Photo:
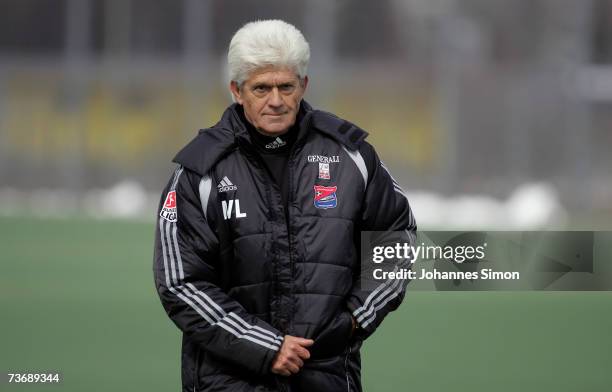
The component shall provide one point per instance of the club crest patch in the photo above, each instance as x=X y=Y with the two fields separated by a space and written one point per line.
x=324 y=171
x=168 y=211
x=325 y=196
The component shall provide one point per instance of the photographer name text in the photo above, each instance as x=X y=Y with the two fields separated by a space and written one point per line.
x=423 y=274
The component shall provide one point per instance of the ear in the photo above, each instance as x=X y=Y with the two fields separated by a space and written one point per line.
x=305 y=83
x=235 y=92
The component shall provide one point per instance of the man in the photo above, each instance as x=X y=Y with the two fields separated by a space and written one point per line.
x=257 y=256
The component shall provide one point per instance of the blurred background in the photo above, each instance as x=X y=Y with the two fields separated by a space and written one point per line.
x=481 y=108
x=492 y=114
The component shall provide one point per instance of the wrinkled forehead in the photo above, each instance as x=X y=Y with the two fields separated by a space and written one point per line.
x=273 y=75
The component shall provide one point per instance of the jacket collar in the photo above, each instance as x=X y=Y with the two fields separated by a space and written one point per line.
x=212 y=144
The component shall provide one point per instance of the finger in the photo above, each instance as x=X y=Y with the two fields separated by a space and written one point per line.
x=304 y=342
x=279 y=370
x=303 y=353
x=292 y=368
x=297 y=361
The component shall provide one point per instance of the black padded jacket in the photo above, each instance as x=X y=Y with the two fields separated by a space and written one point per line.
x=235 y=271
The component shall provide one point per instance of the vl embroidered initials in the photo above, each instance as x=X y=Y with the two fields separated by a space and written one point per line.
x=228 y=208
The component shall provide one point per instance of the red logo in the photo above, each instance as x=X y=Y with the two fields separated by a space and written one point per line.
x=170 y=200
x=168 y=211
x=325 y=196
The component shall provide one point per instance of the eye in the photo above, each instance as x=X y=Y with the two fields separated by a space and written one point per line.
x=260 y=89
x=287 y=87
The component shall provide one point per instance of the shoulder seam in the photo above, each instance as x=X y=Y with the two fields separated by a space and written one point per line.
x=345 y=132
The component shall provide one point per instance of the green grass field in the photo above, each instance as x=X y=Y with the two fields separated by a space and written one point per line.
x=77 y=297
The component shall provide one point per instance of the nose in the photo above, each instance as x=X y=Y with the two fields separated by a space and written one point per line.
x=275 y=99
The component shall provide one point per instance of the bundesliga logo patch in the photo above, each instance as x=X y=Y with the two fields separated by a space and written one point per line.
x=325 y=197
x=168 y=211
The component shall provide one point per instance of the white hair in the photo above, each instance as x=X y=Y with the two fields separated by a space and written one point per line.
x=267 y=43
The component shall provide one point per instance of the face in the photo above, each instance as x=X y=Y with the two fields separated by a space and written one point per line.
x=271 y=99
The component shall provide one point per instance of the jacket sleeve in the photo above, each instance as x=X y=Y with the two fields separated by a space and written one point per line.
x=385 y=209
x=187 y=281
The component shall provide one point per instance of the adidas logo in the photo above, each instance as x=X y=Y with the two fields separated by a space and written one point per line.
x=226 y=185
x=278 y=142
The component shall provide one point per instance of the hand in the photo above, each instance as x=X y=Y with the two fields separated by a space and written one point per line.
x=290 y=357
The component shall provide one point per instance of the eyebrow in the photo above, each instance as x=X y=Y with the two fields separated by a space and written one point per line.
x=284 y=83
